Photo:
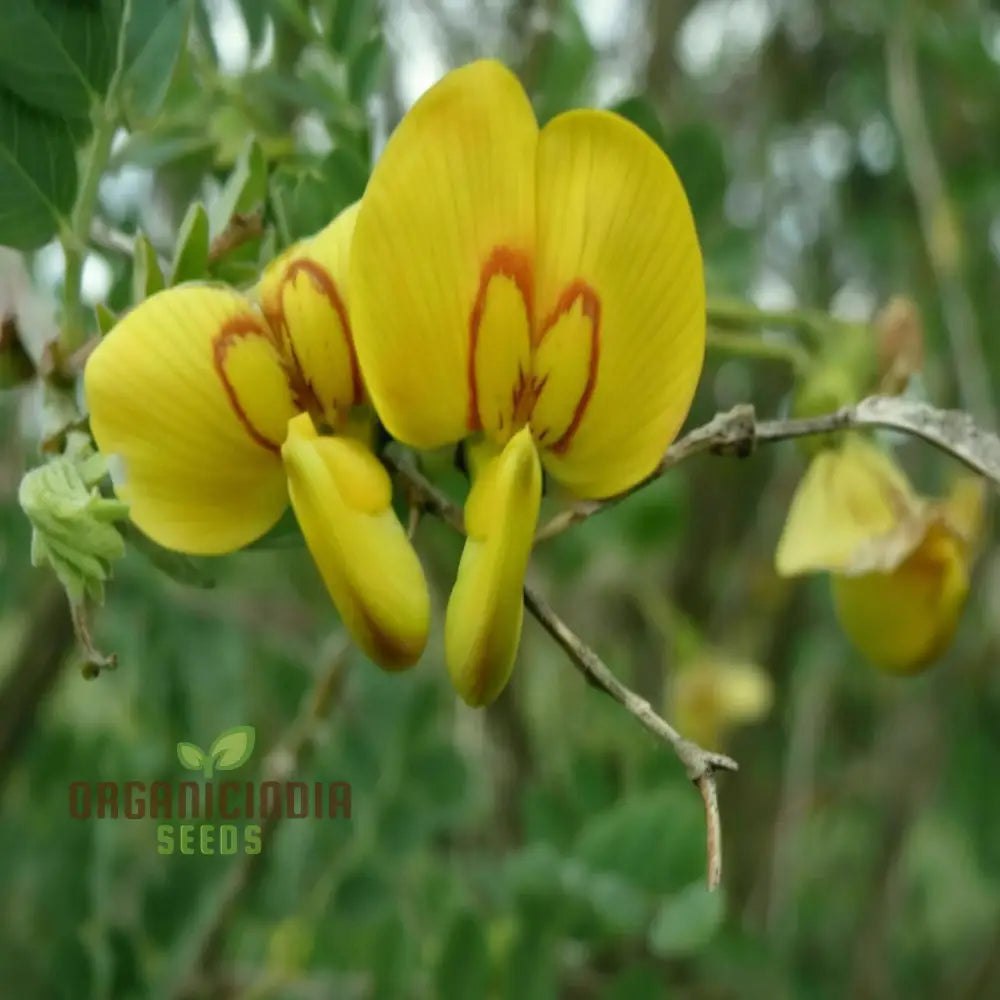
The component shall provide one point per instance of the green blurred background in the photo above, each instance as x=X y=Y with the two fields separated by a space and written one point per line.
x=835 y=154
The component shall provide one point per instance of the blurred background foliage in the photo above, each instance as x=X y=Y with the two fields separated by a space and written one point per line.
x=545 y=847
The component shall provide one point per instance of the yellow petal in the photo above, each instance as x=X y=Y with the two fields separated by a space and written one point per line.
x=441 y=255
x=853 y=511
x=620 y=289
x=188 y=392
x=964 y=509
x=483 y=622
x=342 y=499
x=304 y=296
x=903 y=620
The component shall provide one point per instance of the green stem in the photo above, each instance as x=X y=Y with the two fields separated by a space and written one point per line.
x=74 y=239
x=733 y=314
x=75 y=236
x=748 y=346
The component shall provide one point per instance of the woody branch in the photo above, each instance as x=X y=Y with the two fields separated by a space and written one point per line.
x=736 y=432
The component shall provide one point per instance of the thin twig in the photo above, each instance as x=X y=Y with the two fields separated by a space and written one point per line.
x=738 y=432
x=713 y=826
x=94 y=660
x=701 y=765
x=697 y=762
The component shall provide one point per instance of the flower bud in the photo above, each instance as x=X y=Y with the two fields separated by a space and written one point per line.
x=900 y=344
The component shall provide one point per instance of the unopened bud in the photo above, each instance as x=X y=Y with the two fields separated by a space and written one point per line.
x=900 y=339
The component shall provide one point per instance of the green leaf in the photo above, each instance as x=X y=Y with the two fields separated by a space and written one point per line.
x=232 y=748
x=363 y=895
x=463 y=971
x=165 y=145
x=147 y=277
x=300 y=201
x=203 y=30
x=352 y=22
x=37 y=174
x=191 y=756
x=305 y=198
x=245 y=190
x=191 y=253
x=255 y=16
x=534 y=872
x=401 y=826
x=392 y=975
x=698 y=156
x=566 y=60
x=687 y=922
x=438 y=774
x=106 y=319
x=366 y=69
x=345 y=175
x=620 y=905
x=637 y=982
x=655 y=841
x=58 y=55
x=154 y=67
x=531 y=968
x=655 y=517
x=640 y=111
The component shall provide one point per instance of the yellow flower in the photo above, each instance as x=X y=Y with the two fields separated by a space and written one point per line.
x=218 y=408
x=900 y=562
x=540 y=291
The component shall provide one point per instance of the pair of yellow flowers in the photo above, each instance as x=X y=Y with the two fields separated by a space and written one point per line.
x=537 y=293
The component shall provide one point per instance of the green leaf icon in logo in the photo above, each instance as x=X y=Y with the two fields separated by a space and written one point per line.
x=192 y=756
x=230 y=750
x=232 y=747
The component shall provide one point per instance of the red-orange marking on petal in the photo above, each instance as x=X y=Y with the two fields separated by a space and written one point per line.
x=526 y=390
x=302 y=387
x=592 y=310
x=326 y=286
x=232 y=331
x=511 y=264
